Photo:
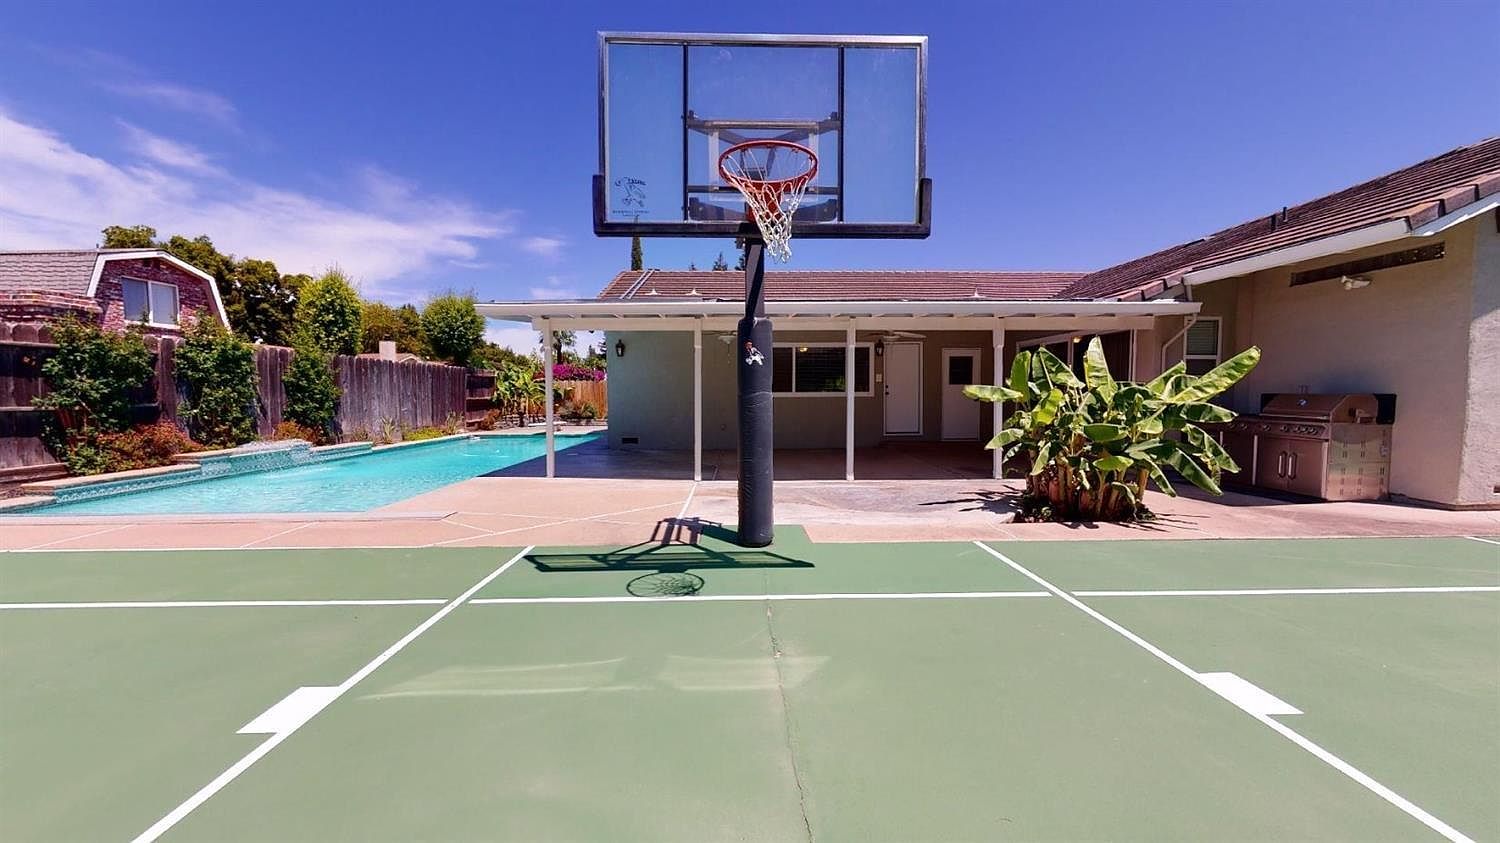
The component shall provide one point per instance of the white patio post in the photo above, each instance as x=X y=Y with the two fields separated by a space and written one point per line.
x=547 y=399
x=849 y=402
x=997 y=410
x=697 y=400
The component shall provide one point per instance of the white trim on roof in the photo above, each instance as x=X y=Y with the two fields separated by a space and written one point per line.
x=1337 y=244
x=158 y=254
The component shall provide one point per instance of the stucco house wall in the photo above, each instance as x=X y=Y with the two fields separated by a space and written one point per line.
x=1408 y=333
x=651 y=393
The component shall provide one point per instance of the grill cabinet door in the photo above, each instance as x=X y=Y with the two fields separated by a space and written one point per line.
x=1271 y=462
x=1306 y=466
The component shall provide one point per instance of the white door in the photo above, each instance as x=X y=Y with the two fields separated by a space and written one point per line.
x=960 y=414
x=903 y=387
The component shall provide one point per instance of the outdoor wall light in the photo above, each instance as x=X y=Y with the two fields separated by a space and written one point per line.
x=880 y=348
x=619 y=348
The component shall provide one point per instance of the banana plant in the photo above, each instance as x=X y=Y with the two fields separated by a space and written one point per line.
x=1092 y=445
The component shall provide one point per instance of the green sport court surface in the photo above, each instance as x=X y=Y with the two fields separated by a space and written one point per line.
x=945 y=691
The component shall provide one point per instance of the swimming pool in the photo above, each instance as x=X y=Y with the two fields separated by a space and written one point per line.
x=351 y=484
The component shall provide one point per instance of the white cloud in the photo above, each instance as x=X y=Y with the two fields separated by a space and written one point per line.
x=514 y=337
x=555 y=289
x=547 y=247
x=167 y=152
x=194 y=101
x=55 y=195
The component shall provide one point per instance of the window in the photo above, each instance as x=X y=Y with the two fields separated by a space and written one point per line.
x=1201 y=345
x=818 y=369
x=153 y=302
x=961 y=370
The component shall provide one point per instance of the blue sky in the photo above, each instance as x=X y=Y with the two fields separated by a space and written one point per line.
x=450 y=145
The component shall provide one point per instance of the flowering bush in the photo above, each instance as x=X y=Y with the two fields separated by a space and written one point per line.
x=146 y=446
x=292 y=430
x=571 y=372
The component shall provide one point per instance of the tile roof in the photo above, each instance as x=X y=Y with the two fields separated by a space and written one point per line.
x=63 y=271
x=863 y=285
x=1418 y=194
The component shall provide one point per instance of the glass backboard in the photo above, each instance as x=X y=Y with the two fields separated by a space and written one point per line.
x=670 y=104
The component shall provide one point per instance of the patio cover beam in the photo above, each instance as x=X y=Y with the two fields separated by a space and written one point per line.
x=863 y=323
x=849 y=402
x=547 y=399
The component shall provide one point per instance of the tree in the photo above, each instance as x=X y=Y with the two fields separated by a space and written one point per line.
x=312 y=396
x=1093 y=444
x=217 y=372
x=129 y=237
x=453 y=327
x=739 y=264
x=497 y=357
x=637 y=255
x=720 y=265
x=328 y=314
x=260 y=301
x=200 y=252
x=401 y=325
x=692 y=267
x=562 y=342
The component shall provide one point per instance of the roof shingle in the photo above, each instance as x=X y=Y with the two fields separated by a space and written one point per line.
x=55 y=271
x=1419 y=194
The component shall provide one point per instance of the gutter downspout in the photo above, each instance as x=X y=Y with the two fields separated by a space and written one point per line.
x=1186 y=324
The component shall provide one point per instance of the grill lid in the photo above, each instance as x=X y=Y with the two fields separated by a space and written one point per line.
x=1336 y=407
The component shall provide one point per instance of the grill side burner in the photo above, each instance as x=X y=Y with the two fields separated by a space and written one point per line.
x=1323 y=446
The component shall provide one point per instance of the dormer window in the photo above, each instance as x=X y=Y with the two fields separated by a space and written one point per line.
x=152 y=302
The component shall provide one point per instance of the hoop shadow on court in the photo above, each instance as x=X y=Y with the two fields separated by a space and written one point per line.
x=668 y=558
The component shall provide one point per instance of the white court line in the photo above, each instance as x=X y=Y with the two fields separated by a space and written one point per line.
x=1257 y=592
x=755 y=598
x=176 y=815
x=304 y=525
x=547 y=524
x=1285 y=731
x=222 y=604
x=682 y=513
x=1478 y=539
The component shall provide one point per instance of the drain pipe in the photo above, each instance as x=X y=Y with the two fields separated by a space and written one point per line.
x=1186 y=324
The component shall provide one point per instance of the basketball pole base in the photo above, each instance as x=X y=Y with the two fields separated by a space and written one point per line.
x=757 y=521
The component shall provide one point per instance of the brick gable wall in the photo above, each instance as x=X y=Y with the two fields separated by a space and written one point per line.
x=193 y=294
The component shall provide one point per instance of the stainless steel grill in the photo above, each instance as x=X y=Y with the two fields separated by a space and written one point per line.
x=1323 y=446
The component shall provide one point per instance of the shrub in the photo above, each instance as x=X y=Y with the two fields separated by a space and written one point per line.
x=330 y=314
x=292 y=430
x=312 y=397
x=453 y=328
x=417 y=434
x=1093 y=444
x=217 y=372
x=146 y=446
x=92 y=377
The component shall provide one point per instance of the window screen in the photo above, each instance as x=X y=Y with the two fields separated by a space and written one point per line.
x=137 y=307
x=817 y=370
x=960 y=370
x=1201 y=346
x=163 y=304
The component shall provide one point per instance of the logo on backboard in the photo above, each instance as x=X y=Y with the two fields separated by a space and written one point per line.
x=630 y=197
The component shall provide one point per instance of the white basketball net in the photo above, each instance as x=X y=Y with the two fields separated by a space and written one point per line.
x=772 y=175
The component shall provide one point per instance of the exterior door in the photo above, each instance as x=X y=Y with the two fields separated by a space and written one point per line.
x=960 y=414
x=903 y=388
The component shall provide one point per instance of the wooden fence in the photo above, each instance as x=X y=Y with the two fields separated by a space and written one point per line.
x=376 y=393
x=592 y=392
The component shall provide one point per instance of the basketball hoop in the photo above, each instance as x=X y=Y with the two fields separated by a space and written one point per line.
x=772 y=175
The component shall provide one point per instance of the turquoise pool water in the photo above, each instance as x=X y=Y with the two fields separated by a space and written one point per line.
x=352 y=484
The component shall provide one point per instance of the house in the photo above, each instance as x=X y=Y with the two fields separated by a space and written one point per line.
x=113 y=287
x=1389 y=287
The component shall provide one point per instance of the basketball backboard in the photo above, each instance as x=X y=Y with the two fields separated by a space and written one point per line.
x=671 y=103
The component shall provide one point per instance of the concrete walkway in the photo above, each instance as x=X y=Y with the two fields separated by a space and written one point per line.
x=514 y=511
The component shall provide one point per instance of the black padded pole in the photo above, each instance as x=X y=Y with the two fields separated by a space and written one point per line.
x=756 y=519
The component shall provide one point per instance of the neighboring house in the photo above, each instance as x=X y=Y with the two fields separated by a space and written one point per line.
x=113 y=287
x=1389 y=287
